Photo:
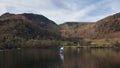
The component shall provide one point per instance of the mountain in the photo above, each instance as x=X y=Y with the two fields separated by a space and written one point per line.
x=108 y=27
x=40 y=20
x=77 y=29
x=19 y=29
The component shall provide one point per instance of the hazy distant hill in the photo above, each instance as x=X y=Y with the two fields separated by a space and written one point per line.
x=77 y=29
x=108 y=27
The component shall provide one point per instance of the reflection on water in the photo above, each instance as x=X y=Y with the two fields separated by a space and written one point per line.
x=71 y=58
x=29 y=58
x=62 y=57
x=92 y=58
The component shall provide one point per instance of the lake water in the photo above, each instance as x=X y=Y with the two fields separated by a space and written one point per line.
x=50 y=58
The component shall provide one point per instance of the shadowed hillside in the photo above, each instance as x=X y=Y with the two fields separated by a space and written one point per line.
x=19 y=30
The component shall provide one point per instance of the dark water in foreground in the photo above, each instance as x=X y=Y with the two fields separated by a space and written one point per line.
x=50 y=58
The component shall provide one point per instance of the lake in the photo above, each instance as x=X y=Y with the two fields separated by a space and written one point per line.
x=50 y=58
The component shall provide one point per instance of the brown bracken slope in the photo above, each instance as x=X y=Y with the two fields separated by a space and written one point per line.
x=77 y=29
x=108 y=27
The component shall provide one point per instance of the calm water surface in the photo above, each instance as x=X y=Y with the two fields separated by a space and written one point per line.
x=50 y=58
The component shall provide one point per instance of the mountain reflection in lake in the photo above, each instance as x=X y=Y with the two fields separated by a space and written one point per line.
x=71 y=58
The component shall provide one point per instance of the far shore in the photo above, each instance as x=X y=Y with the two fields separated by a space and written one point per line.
x=93 y=46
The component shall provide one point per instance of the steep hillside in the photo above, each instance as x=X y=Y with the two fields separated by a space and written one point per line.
x=19 y=29
x=77 y=29
x=108 y=27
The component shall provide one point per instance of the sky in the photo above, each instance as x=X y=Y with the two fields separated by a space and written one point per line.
x=62 y=11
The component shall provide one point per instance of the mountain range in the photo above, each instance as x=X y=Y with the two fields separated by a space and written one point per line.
x=29 y=30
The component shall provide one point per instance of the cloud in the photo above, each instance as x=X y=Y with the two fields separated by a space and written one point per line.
x=63 y=10
x=2 y=8
x=115 y=6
